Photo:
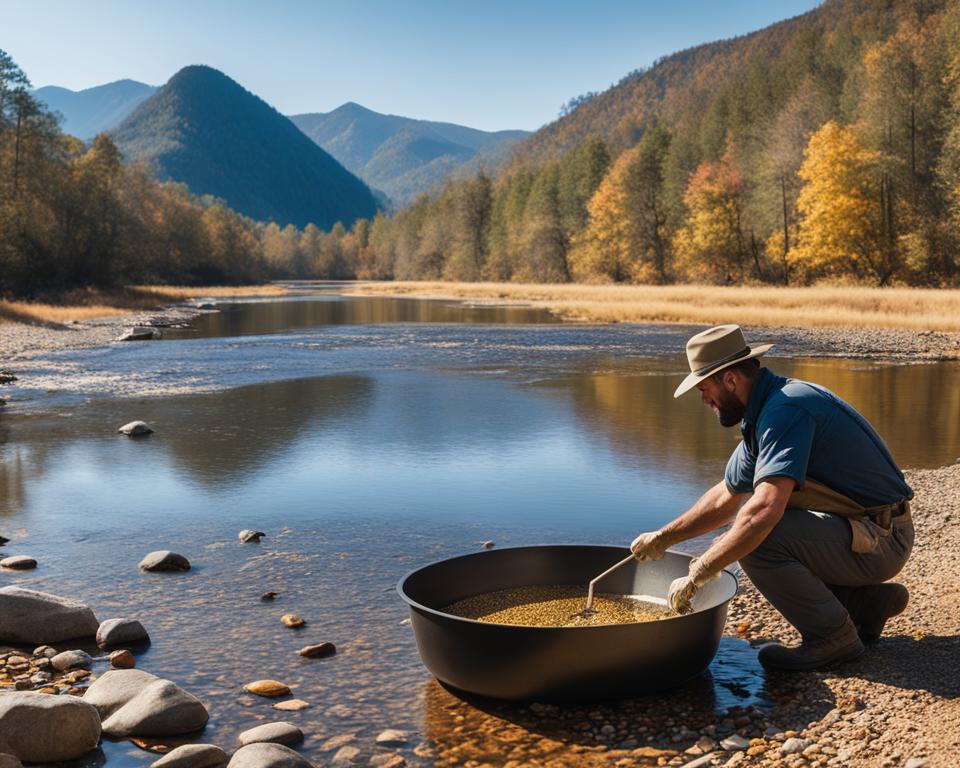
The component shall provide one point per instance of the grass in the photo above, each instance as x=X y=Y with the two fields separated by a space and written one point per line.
x=824 y=306
x=88 y=303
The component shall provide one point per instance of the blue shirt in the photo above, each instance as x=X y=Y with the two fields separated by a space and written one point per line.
x=795 y=429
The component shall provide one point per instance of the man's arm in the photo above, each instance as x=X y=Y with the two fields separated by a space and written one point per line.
x=710 y=511
x=753 y=523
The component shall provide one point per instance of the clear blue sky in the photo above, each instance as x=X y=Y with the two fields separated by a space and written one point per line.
x=491 y=64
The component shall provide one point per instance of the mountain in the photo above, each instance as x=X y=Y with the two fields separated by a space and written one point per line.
x=94 y=110
x=205 y=130
x=400 y=155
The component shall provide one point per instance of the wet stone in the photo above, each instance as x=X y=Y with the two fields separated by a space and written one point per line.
x=18 y=563
x=318 y=651
x=292 y=620
x=268 y=688
x=392 y=737
x=164 y=560
x=122 y=660
x=293 y=705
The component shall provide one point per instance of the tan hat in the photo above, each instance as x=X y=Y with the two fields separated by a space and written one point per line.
x=715 y=349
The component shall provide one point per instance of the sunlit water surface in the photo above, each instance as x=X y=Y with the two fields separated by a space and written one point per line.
x=368 y=437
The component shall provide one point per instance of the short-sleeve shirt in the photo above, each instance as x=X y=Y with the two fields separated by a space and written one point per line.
x=792 y=428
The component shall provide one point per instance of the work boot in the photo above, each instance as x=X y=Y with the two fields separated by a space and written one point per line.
x=844 y=645
x=871 y=606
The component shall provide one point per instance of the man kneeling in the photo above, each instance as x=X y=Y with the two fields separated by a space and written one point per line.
x=821 y=512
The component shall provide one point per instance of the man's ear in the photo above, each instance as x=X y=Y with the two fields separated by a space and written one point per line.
x=730 y=380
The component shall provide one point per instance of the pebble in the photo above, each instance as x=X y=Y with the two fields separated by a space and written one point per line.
x=793 y=745
x=345 y=756
x=388 y=760
x=318 y=651
x=392 y=737
x=916 y=762
x=268 y=688
x=292 y=620
x=45 y=650
x=293 y=705
x=18 y=563
x=248 y=536
x=335 y=742
x=122 y=659
x=734 y=742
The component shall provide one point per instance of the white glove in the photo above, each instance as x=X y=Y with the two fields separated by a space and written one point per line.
x=681 y=592
x=650 y=545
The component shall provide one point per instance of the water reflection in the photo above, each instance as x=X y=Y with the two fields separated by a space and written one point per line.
x=272 y=316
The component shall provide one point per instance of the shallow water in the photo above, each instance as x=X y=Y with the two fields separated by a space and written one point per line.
x=365 y=444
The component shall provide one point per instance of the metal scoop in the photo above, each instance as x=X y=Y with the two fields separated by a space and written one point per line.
x=588 y=610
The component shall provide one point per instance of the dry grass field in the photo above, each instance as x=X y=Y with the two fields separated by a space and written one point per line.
x=821 y=306
x=85 y=304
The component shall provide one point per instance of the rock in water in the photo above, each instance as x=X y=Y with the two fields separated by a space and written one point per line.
x=18 y=563
x=345 y=756
x=115 y=632
x=135 y=429
x=132 y=702
x=71 y=660
x=266 y=596
x=292 y=620
x=267 y=756
x=392 y=737
x=247 y=536
x=122 y=660
x=293 y=705
x=192 y=756
x=269 y=688
x=5 y=540
x=164 y=560
x=38 y=728
x=30 y=617
x=273 y=733
x=318 y=651
x=140 y=333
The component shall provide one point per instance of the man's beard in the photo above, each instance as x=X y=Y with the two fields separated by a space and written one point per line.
x=730 y=410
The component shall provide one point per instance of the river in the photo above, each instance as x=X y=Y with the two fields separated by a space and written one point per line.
x=367 y=437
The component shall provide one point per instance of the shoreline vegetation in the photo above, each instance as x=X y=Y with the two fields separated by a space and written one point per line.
x=766 y=306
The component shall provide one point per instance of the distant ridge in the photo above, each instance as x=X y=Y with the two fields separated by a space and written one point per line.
x=205 y=130
x=400 y=155
x=94 y=110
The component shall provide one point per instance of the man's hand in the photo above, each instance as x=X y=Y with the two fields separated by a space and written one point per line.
x=681 y=592
x=650 y=545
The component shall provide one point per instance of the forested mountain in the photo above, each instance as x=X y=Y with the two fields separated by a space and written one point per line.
x=823 y=147
x=206 y=131
x=399 y=155
x=94 y=110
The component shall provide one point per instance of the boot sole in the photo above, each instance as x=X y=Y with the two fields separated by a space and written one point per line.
x=852 y=654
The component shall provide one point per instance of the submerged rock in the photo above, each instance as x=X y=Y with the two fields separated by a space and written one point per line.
x=392 y=737
x=272 y=733
x=114 y=632
x=267 y=596
x=292 y=620
x=28 y=617
x=18 y=563
x=247 y=536
x=267 y=756
x=71 y=660
x=135 y=429
x=164 y=560
x=38 y=728
x=192 y=756
x=345 y=756
x=318 y=651
x=269 y=688
x=293 y=705
x=135 y=703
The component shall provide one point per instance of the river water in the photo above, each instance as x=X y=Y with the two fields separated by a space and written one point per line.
x=368 y=437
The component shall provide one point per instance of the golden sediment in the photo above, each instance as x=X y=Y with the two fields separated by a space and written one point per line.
x=555 y=606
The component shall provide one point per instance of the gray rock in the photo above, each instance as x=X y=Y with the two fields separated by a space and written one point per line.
x=267 y=756
x=116 y=632
x=345 y=756
x=18 y=563
x=794 y=745
x=140 y=333
x=192 y=756
x=31 y=617
x=734 y=743
x=132 y=702
x=71 y=660
x=274 y=733
x=135 y=429
x=164 y=560
x=39 y=728
x=393 y=737
x=318 y=650
x=247 y=536
x=46 y=651
x=699 y=762
x=9 y=761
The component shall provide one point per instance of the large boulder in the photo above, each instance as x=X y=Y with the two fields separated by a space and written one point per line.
x=267 y=756
x=164 y=560
x=132 y=702
x=29 y=617
x=116 y=632
x=192 y=756
x=39 y=728
x=274 y=733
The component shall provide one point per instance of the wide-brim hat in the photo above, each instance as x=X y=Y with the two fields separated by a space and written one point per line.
x=715 y=349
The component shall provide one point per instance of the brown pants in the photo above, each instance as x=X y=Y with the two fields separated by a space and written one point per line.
x=809 y=552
